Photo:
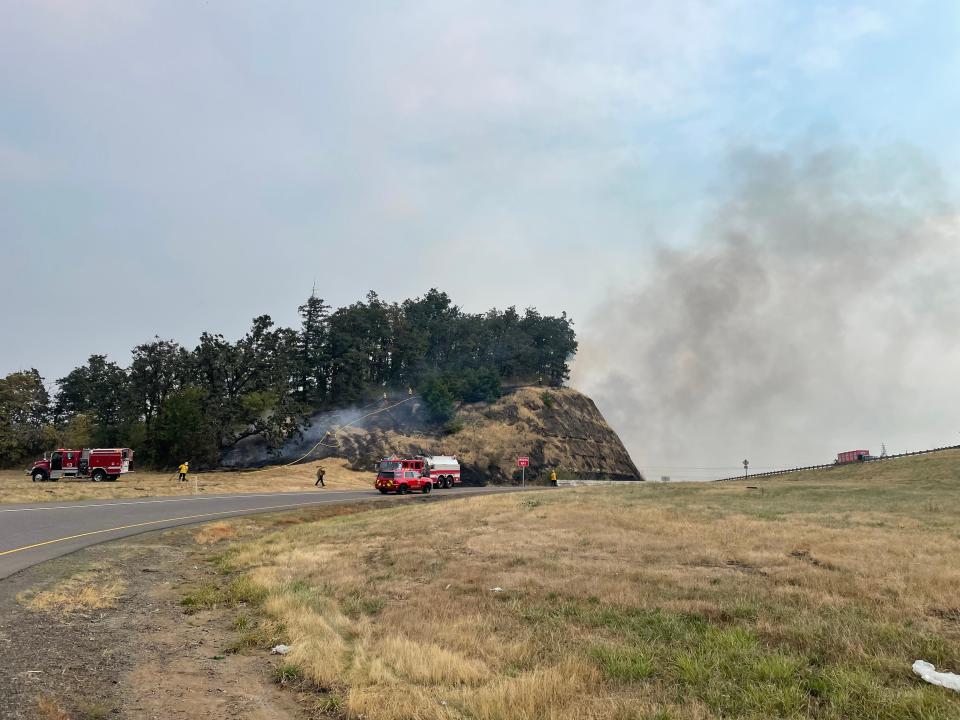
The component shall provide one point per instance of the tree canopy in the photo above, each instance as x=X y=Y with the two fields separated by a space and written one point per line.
x=172 y=403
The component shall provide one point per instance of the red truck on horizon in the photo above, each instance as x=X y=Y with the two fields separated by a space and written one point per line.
x=421 y=472
x=850 y=456
x=98 y=464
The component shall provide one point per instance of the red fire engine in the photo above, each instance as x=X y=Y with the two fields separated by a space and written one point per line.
x=99 y=464
x=423 y=473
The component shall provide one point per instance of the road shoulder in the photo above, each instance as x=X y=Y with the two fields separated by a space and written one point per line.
x=144 y=654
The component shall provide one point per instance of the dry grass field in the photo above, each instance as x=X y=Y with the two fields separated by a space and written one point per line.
x=15 y=487
x=808 y=598
x=89 y=589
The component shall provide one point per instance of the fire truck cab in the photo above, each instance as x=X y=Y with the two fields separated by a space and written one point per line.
x=423 y=473
x=98 y=464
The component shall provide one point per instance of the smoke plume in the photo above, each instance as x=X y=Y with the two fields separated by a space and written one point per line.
x=318 y=437
x=818 y=311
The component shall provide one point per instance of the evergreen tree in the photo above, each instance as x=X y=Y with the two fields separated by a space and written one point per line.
x=313 y=349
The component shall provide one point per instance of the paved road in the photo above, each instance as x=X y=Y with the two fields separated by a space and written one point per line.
x=30 y=534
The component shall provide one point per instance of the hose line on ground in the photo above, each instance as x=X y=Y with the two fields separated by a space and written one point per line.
x=344 y=427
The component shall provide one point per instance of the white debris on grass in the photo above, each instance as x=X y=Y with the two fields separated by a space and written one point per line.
x=280 y=649
x=929 y=673
x=496 y=589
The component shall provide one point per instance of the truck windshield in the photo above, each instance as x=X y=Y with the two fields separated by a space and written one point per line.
x=389 y=466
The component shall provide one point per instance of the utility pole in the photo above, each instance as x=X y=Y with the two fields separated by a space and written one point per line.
x=746 y=464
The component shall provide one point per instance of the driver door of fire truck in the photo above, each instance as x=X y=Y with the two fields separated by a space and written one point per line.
x=56 y=461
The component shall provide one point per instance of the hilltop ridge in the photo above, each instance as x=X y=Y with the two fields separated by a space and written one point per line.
x=557 y=428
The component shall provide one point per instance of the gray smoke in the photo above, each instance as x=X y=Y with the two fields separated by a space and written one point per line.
x=817 y=312
x=253 y=451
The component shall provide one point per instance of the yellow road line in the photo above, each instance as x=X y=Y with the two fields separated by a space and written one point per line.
x=83 y=505
x=156 y=522
x=212 y=514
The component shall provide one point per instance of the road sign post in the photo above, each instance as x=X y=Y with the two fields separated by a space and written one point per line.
x=523 y=463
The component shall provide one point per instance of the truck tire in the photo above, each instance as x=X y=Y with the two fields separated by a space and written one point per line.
x=427 y=487
x=99 y=476
x=112 y=478
x=403 y=490
x=383 y=491
x=448 y=483
x=39 y=476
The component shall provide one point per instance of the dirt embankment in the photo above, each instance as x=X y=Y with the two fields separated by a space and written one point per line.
x=557 y=428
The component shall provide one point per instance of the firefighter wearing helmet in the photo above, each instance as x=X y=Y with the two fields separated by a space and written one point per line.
x=184 y=469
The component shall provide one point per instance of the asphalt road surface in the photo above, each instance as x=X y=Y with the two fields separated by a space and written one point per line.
x=30 y=534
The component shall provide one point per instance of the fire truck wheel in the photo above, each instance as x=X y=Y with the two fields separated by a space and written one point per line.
x=99 y=476
x=112 y=478
x=39 y=476
x=383 y=491
x=427 y=487
x=448 y=483
x=403 y=490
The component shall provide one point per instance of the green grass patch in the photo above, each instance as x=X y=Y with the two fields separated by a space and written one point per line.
x=737 y=673
x=623 y=664
x=288 y=674
x=356 y=603
x=237 y=592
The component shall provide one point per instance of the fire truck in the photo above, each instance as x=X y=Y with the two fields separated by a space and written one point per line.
x=421 y=472
x=98 y=464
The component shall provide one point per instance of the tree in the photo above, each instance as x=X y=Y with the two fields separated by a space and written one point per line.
x=439 y=400
x=24 y=416
x=313 y=349
x=157 y=370
x=361 y=349
x=100 y=388
x=247 y=385
x=183 y=431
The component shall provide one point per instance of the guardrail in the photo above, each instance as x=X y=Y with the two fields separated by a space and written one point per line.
x=579 y=483
x=827 y=466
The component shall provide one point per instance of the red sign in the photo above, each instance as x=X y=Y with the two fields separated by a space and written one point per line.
x=523 y=462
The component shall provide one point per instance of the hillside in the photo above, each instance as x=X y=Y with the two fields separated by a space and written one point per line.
x=557 y=428
x=912 y=473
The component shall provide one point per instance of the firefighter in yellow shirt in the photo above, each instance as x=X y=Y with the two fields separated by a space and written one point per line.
x=184 y=469
x=553 y=478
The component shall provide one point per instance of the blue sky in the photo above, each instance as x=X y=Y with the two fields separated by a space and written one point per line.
x=173 y=167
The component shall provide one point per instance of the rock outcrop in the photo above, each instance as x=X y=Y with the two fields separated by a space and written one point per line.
x=557 y=428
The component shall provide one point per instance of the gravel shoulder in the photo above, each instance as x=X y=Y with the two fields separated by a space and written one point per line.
x=142 y=654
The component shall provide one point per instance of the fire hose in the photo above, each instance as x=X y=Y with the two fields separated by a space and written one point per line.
x=345 y=426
